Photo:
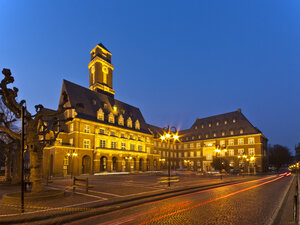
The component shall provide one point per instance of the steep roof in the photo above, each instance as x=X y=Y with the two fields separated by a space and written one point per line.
x=93 y=101
x=102 y=46
x=220 y=126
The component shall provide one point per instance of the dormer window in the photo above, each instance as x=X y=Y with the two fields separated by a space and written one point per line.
x=111 y=118
x=129 y=122
x=121 y=120
x=202 y=126
x=223 y=133
x=218 y=123
x=100 y=114
x=196 y=127
x=209 y=124
x=241 y=131
x=137 y=125
x=225 y=122
x=231 y=132
x=234 y=120
x=215 y=135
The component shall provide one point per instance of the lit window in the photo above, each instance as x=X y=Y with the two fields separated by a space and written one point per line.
x=241 y=131
x=198 y=145
x=140 y=148
x=66 y=161
x=123 y=146
x=231 y=152
x=113 y=145
x=111 y=118
x=225 y=122
x=147 y=139
x=250 y=140
x=218 y=123
x=132 y=147
x=231 y=132
x=208 y=157
x=121 y=120
x=185 y=154
x=234 y=120
x=222 y=143
x=192 y=154
x=185 y=146
x=192 y=145
x=102 y=144
x=86 y=143
x=215 y=135
x=100 y=114
x=58 y=141
x=241 y=141
x=198 y=154
x=209 y=124
x=231 y=142
x=122 y=135
x=71 y=142
x=202 y=126
x=137 y=125
x=206 y=135
x=129 y=122
x=112 y=133
x=86 y=128
x=101 y=131
x=223 y=133
x=148 y=149
x=241 y=151
x=196 y=127
x=251 y=151
x=222 y=153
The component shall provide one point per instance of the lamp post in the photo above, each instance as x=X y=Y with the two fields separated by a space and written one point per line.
x=170 y=133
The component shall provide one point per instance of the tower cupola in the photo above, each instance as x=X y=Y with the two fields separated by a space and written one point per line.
x=101 y=71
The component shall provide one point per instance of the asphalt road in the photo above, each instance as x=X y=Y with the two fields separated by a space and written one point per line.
x=250 y=202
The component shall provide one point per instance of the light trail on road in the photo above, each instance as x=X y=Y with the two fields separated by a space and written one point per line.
x=181 y=208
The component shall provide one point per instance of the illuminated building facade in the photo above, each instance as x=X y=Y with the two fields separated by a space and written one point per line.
x=108 y=135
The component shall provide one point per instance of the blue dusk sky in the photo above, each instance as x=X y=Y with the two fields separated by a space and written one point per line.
x=175 y=60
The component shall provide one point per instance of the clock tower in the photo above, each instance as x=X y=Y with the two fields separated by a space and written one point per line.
x=101 y=71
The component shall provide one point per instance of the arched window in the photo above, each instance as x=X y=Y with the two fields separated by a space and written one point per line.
x=137 y=125
x=100 y=114
x=129 y=122
x=111 y=118
x=121 y=120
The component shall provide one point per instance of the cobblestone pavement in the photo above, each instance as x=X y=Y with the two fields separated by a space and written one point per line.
x=250 y=202
x=110 y=187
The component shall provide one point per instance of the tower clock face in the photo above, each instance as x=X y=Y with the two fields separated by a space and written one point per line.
x=104 y=69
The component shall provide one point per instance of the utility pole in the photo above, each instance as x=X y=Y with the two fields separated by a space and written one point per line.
x=22 y=159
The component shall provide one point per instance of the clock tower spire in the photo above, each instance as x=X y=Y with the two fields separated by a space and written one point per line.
x=101 y=71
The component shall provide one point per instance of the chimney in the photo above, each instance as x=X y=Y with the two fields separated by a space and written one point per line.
x=239 y=110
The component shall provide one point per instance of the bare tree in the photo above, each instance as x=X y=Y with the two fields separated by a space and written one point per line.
x=41 y=129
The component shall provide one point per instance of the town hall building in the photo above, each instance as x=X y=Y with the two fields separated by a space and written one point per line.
x=108 y=135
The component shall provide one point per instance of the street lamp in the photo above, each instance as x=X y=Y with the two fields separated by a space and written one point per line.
x=170 y=133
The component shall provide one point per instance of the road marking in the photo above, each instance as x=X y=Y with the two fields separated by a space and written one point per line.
x=209 y=201
x=105 y=193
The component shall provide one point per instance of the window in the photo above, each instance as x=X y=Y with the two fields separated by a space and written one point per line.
x=206 y=135
x=185 y=146
x=196 y=127
x=73 y=113
x=198 y=154
x=198 y=145
x=192 y=154
x=71 y=127
x=139 y=138
x=100 y=114
x=215 y=134
x=113 y=144
x=121 y=120
x=241 y=131
x=102 y=144
x=140 y=148
x=101 y=131
x=86 y=129
x=241 y=141
x=241 y=151
x=123 y=145
x=218 y=123
x=209 y=125
x=250 y=140
x=251 y=151
x=185 y=154
x=129 y=122
x=231 y=152
x=231 y=142
x=131 y=137
x=234 y=120
x=192 y=145
x=208 y=157
x=147 y=139
x=222 y=153
x=202 y=126
x=112 y=133
x=66 y=161
x=222 y=143
x=122 y=135
x=86 y=143
x=132 y=147
x=58 y=141
x=111 y=118
x=137 y=125
x=223 y=133
x=71 y=142
x=148 y=149
x=225 y=122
